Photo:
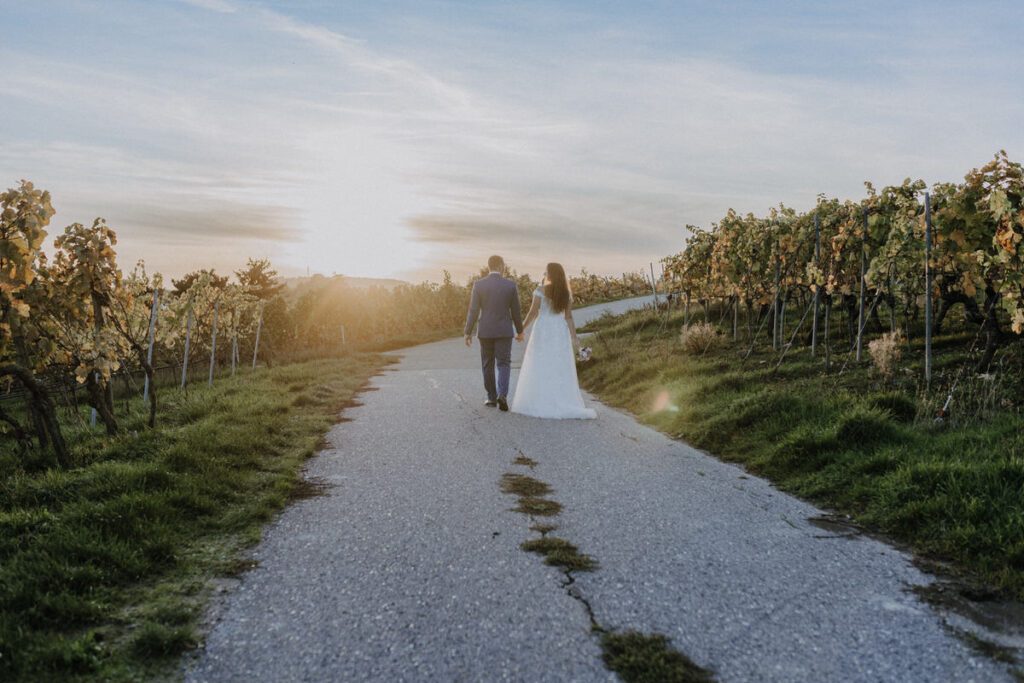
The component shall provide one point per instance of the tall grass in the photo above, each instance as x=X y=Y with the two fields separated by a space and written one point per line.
x=104 y=568
x=855 y=442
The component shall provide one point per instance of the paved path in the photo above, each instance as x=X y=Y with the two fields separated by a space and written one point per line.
x=410 y=568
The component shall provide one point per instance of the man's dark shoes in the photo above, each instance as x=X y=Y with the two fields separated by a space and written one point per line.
x=490 y=403
x=502 y=404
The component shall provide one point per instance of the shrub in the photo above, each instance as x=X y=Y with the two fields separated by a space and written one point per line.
x=886 y=352
x=699 y=337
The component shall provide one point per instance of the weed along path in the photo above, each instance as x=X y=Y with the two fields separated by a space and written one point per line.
x=454 y=542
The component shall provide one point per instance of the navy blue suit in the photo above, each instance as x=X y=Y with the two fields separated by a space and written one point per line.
x=495 y=302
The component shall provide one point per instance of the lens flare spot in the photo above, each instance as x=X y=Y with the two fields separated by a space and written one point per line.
x=663 y=402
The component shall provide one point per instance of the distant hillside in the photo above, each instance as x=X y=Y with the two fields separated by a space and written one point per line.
x=357 y=282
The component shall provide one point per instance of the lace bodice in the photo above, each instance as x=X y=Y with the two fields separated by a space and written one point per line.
x=545 y=303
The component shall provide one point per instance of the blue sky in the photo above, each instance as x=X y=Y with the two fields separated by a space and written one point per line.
x=400 y=138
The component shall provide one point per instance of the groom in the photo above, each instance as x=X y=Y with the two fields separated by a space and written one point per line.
x=495 y=301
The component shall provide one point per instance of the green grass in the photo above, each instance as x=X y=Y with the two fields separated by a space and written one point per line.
x=105 y=568
x=850 y=442
x=642 y=658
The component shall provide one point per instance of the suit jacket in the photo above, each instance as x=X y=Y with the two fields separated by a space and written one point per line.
x=495 y=301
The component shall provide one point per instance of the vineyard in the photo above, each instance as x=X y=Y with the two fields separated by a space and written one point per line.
x=901 y=261
x=78 y=332
x=799 y=345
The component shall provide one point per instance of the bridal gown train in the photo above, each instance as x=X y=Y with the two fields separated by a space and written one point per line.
x=548 y=385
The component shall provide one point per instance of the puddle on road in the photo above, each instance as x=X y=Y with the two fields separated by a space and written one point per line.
x=987 y=621
x=837 y=526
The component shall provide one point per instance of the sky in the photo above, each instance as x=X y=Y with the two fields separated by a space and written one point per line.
x=395 y=138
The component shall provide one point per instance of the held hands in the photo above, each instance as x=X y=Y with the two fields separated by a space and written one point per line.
x=469 y=340
x=519 y=337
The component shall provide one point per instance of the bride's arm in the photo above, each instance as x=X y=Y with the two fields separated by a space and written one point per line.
x=572 y=328
x=534 y=311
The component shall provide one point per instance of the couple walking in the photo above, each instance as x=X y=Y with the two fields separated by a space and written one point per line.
x=548 y=385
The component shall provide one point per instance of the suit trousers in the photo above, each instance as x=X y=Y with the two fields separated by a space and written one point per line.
x=496 y=352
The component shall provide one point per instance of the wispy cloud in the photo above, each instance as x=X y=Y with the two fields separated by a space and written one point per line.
x=221 y=6
x=404 y=138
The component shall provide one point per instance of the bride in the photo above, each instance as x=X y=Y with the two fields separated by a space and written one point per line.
x=548 y=386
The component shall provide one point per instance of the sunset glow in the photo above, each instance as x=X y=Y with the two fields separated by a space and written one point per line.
x=398 y=139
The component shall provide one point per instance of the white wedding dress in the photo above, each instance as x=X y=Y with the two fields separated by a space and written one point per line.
x=548 y=385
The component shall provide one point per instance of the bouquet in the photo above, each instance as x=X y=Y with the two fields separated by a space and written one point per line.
x=585 y=353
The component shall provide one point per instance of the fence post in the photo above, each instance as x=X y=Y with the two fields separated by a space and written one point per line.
x=234 y=353
x=863 y=274
x=188 y=343
x=152 y=338
x=927 y=290
x=256 y=348
x=686 y=311
x=213 y=343
x=817 y=287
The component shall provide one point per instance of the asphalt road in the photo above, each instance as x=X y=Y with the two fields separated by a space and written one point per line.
x=409 y=569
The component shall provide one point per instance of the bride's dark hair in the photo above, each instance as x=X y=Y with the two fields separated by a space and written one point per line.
x=557 y=289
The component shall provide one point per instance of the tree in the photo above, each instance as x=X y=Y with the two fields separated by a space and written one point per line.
x=259 y=279
x=187 y=281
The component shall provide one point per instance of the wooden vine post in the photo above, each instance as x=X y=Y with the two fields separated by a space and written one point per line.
x=817 y=287
x=776 y=331
x=152 y=340
x=213 y=343
x=860 y=295
x=256 y=347
x=654 y=286
x=188 y=343
x=927 y=290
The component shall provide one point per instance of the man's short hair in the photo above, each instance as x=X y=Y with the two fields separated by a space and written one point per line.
x=496 y=264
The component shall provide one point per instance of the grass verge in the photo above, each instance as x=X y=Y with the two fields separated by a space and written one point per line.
x=850 y=442
x=105 y=568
